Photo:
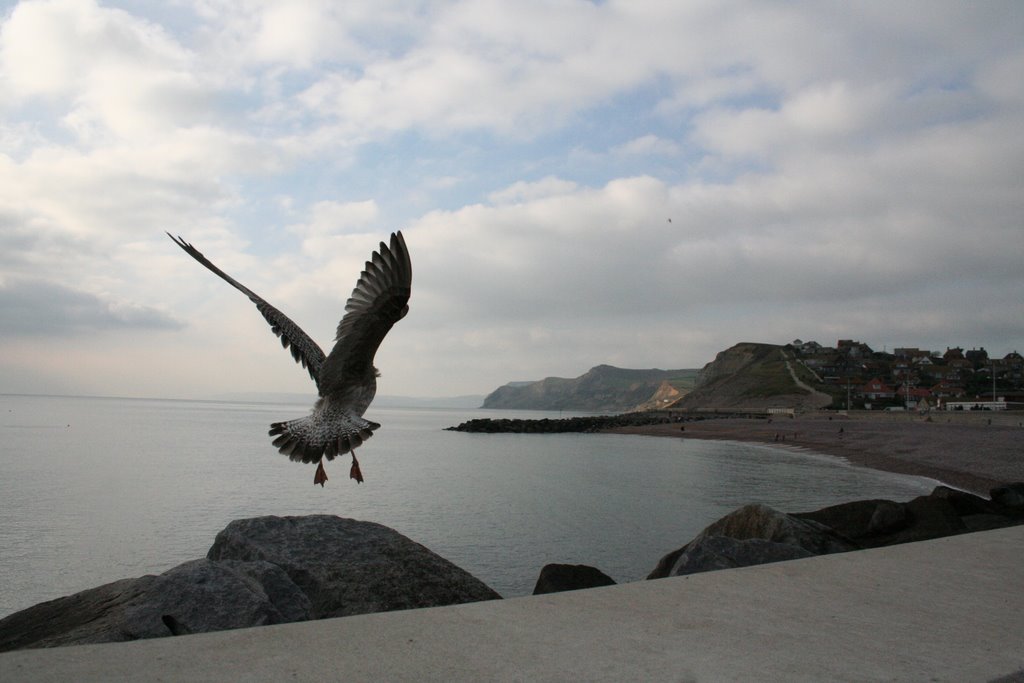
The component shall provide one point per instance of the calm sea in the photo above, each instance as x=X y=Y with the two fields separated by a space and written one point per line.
x=97 y=489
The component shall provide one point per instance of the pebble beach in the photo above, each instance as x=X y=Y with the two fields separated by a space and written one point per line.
x=973 y=451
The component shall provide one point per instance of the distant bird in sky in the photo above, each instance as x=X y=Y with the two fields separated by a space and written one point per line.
x=346 y=379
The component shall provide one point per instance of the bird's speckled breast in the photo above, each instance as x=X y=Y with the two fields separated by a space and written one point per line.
x=353 y=397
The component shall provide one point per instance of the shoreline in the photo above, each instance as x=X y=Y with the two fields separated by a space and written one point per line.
x=969 y=451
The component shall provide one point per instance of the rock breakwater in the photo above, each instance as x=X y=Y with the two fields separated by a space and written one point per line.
x=590 y=423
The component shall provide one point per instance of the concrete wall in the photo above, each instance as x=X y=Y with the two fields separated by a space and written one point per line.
x=951 y=609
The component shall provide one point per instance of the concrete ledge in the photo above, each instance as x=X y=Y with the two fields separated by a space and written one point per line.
x=951 y=609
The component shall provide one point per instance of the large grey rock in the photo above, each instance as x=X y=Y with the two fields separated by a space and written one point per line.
x=710 y=553
x=965 y=503
x=932 y=517
x=760 y=521
x=887 y=517
x=862 y=520
x=757 y=521
x=346 y=567
x=259 y=571
x=555 y=578
x=945 y=511
x=193 y=597
x=1010 y=496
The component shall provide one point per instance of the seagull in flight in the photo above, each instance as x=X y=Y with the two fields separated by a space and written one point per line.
x=346 y=379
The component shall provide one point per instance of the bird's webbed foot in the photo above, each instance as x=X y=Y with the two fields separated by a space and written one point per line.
x=321 y=474
x=355 y=472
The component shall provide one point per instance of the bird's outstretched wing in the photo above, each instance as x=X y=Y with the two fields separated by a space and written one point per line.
x=304 y=350
x=380 y=299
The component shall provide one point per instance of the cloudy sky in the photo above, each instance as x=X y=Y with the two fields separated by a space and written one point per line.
x=640 y=183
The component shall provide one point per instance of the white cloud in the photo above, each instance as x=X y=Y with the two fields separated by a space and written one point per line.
x=55 y=48
x=300 y=34
x=764 y=172
x=648 y=145
x=35 y=308
x=523 y=190
x=1001 y=79
x=292 y=33
x=826 y=115
x=509 y=67
x=330 y=222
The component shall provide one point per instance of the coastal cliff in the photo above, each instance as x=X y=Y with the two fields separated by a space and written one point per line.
x=751 y=377
x=747 y=377
x=602 y=388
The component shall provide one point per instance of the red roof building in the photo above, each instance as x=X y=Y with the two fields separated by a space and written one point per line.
x=877 y=389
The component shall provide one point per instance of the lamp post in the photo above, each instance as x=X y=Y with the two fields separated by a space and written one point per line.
x=993 y=380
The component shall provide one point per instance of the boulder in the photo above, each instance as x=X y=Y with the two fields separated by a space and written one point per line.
x=1010 y=496
x=193 y=597
x=923 y=518
x=931 y=517
x=888 y=517
x=721 y=552
x=346 y=567
x=965 y=503
x=757 y=521
x=945 y=511
x=861 y=519
x=267 y=570
x=760 y=521
x=555 y=578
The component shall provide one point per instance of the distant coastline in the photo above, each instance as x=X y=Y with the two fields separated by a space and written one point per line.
x=382 y=401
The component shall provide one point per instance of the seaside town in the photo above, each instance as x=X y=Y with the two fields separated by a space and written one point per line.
x=913 y=378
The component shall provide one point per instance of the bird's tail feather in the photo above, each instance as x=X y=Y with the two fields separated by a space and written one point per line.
x=310 y=438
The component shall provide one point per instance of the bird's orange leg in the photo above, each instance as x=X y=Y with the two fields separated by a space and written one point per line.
x=355 y=473
x=321 y=475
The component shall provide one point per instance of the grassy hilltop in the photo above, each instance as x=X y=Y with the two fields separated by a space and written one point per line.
x=753 y=377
